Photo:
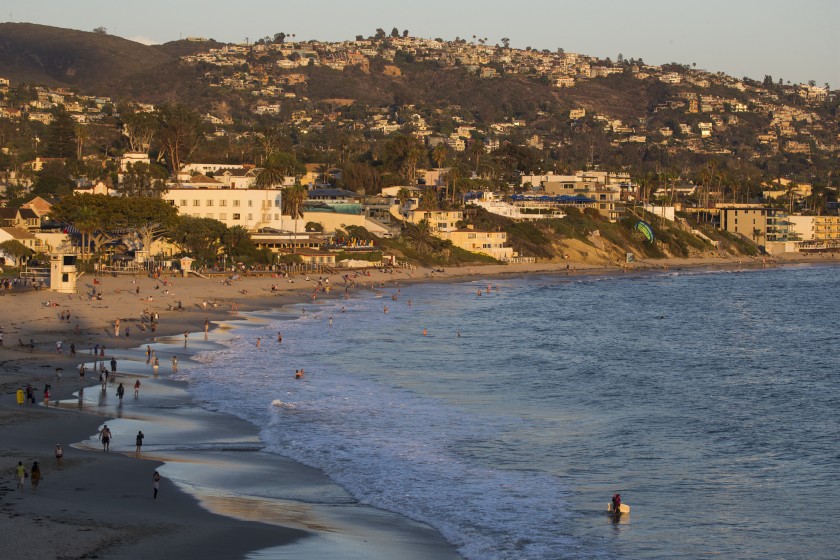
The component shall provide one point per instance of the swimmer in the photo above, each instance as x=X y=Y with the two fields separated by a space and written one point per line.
x=424 y=331
x=258 y=342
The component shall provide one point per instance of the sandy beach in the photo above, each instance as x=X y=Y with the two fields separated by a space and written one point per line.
x=100 y=504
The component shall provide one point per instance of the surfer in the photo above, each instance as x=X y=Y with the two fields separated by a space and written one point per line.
x=616 y=504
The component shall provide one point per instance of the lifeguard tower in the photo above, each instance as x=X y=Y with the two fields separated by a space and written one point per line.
x=63 y=272
x=186 y=266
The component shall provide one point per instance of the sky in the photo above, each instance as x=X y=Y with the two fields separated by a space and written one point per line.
x=782 y=38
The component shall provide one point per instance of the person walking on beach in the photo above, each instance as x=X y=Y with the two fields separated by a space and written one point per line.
x=114 y=365
x=136 y=388
x=139 y=442
x=105 y=437
x=116 y=328
x=59 y=456
x=35 y=476
x=20 y=474
x=186 y=335
x=174 y=361
x=81 y=371
x=155 y=366
x=259 y=341
x=120 y=392
x=155 y=484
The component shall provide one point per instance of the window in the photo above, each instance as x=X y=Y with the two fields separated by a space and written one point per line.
x=223 y=203
x=209 y=215
x=236 y=216
x=277 y=202
x=209 y=203
x=196 y=203
x=276 y=217
x=250 y=217
x=250 y=203
x=236 y=203
x=182 y=203
x=223 y=216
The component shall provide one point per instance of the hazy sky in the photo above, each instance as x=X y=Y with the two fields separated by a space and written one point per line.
x=794 y=40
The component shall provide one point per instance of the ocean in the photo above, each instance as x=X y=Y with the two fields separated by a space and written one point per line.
x=708 y=399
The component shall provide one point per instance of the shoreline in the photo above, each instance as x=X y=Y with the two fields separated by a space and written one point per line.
x=31 y=432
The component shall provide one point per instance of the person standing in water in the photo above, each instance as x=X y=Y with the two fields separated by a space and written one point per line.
x=155 y=484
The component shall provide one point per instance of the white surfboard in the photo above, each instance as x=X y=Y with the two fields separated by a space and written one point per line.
x=623 y=507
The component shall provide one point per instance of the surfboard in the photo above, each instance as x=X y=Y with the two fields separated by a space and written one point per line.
x=623 y=507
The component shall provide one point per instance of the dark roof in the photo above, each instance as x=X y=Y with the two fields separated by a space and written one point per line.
x=332 y=193
x=28 y=214
x=8 y=213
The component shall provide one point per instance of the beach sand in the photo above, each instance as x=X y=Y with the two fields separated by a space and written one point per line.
x=100 y=504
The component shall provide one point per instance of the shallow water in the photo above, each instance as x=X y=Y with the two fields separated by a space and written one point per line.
x=708 y=399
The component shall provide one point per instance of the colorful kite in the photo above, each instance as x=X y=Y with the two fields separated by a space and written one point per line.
x=646 y=230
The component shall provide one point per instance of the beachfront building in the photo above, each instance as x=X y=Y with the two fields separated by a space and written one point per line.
x=815 y=228
x=24 y=237
x=252 y=209
x=759 y=224
x=260 y=209
x=492 y=243
x=522 y=209
x=438 y=220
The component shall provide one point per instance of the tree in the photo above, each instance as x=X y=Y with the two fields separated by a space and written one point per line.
x=278 y=166
x=401 y=154
x=53 y=180
x=199 y=237
x=143 y=179
x=506 y=42
x=361 y=177
x=428 y=200
x=395 y=33
x=440 y=154
x=149 y=217
x=61 y=135
x=100 y=30
x=16 y=250
x=293 y=199
x=405 y=33
x=476 y=150
x=280 y=38
x=380 y=33
x=94 y=215
x=139 y=129
x=179 y=133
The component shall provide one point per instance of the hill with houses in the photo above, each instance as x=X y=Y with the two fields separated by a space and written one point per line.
x=571 y=152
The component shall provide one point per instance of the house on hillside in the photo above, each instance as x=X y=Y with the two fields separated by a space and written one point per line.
x=492 y=243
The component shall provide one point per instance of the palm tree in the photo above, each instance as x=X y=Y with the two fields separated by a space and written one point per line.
x=439 y=154
x=475 y=152
x=293 y=200
x=277 y=166
x=86 y=221
x=428 y=201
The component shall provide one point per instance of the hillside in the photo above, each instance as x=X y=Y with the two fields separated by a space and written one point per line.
x=86 y=61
